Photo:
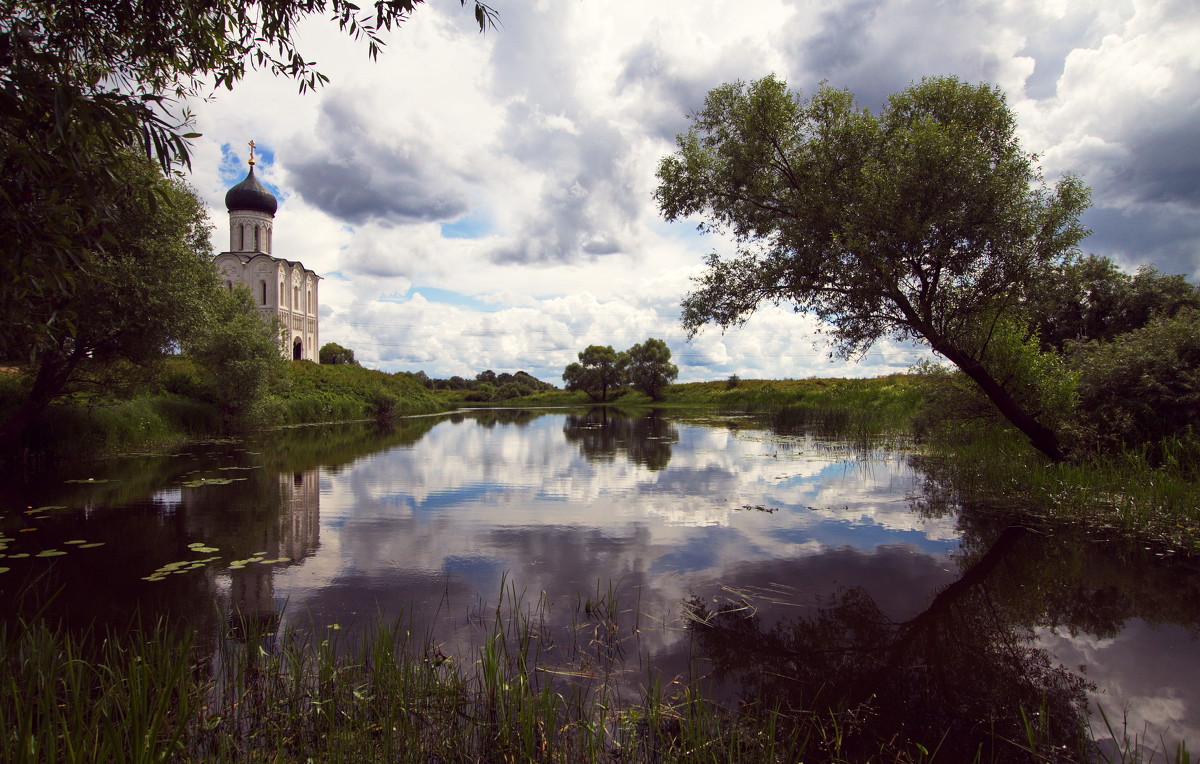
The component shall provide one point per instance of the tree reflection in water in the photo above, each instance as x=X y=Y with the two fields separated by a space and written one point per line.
x=961 y=675
x=602 y=434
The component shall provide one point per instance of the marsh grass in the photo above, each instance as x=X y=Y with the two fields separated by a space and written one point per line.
x=71 y=429
x=386 y=693
x=853 y=408
x=1155 y=499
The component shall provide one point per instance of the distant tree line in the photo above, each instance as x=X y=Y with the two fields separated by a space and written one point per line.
x=488 y=385
x=485 y=386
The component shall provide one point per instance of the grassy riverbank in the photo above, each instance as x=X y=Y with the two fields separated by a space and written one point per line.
x=175 y=406
x=1154 y=499
x=844 y=406
x=155 y=694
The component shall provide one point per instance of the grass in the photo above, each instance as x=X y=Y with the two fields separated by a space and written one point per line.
x=106 y=427
x=306 y=393
x=826 y=406
x=1128 y=493
x=383 y=693
x=310 y=393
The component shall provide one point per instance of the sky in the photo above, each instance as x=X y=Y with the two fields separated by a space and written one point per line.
x=486 y=201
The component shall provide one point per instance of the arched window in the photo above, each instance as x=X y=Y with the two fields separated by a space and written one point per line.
x=242 y=243
x=256 y=249
x=229 y=285
x=263 y=286
x=308 y=302
x=295 y=298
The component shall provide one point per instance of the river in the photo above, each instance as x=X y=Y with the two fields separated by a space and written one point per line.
x=770 y=563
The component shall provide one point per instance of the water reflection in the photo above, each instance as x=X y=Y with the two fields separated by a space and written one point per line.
x=850 y=591
x=602 y=434
x=954 y=672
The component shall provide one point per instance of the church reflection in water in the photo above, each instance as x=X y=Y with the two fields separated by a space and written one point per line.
x=252 y=600
x=289 y=536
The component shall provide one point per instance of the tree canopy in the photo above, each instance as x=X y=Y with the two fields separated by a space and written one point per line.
x=152 y=289
x=647 y=367
x=333 y=353
x=1092 y=299
x=926 y=222
x=146 y=291
x=82 y=83
x=597 y=371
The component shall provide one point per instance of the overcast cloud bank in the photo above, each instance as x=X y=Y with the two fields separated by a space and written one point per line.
x=487 y=201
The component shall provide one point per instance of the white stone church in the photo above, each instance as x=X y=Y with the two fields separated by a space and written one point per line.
x=282 y=288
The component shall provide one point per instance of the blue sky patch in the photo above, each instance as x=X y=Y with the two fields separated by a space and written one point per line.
x=469 y=227
x=234 y=168
x=444 y=297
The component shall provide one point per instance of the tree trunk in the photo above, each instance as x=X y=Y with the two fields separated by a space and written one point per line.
x=52 y=377
x=1040 y=437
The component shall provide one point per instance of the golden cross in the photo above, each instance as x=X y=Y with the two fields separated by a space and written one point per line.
x=251 y=153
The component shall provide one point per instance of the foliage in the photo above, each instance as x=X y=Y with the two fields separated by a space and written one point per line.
x=597 y=371
x=84 y=84
x=1093 y=299
x=647 y=367
x=146 y=291
x=238 y=354
x=927 y=222
x=1142 y=387
x=309 y=393
x=488 y=386
x=1040 y=381
x=1151 y=499
x=333 y=353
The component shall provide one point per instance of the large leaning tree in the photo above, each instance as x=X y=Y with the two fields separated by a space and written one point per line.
x=83 y=82
x=926 y=221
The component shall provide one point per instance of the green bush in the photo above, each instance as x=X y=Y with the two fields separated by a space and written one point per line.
x=1040 y=381
x=1141 y=388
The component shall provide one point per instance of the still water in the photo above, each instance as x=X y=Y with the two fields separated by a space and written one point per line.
x=776 y=564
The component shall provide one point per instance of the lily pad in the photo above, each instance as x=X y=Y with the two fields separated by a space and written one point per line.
x=91 y=545
x=36 y=510
x=51 y=553
x=5 y=570
x=207 y=481
x=18 y=556
x=76 y=541
x=97 y=481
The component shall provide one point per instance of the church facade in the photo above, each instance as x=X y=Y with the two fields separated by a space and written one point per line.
x=282 y=288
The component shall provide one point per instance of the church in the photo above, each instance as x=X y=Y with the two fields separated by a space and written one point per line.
x=282 y=288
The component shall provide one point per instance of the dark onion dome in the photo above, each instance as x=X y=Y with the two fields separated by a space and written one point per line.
x=251 y=195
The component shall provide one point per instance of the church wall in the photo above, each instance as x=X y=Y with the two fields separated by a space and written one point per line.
x=282 y=289
x=291 y=292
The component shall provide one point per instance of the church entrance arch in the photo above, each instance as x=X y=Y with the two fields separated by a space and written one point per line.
x=297 y=350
